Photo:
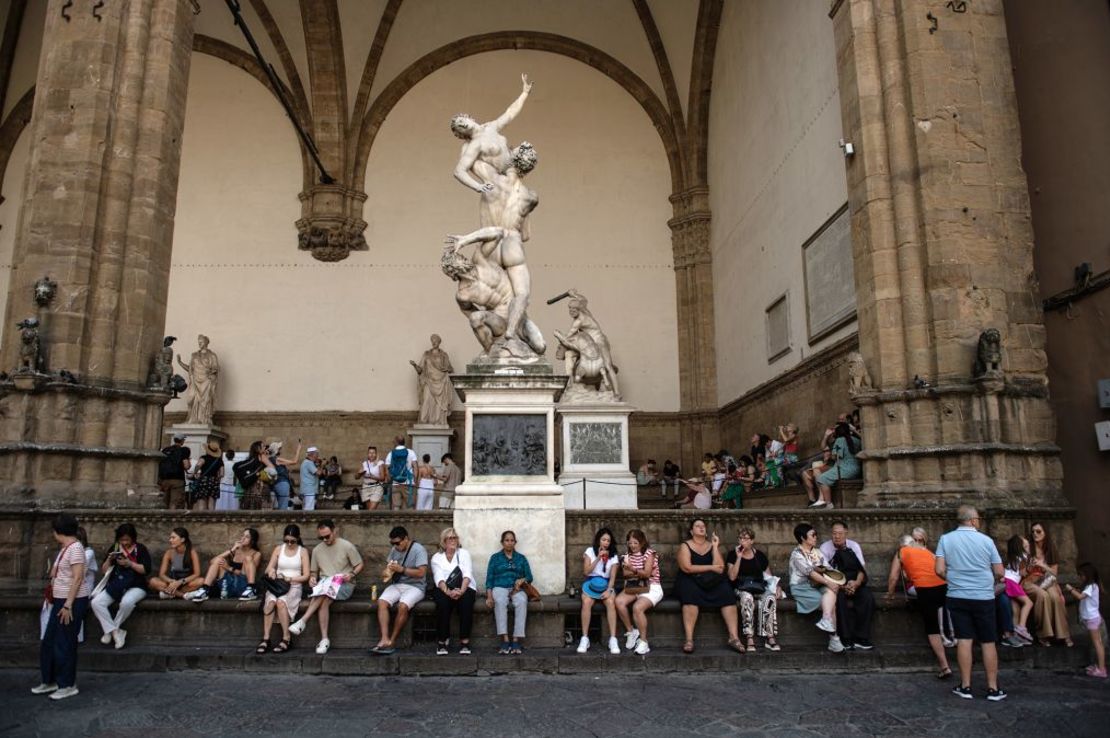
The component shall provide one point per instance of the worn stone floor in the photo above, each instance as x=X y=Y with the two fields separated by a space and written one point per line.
x=184 y=704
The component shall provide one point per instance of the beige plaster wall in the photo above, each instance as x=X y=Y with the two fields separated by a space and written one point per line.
x=296 y=334
x=775 y=176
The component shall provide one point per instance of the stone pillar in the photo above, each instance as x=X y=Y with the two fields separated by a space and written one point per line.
x=98 y=219
x=697 y=353
x=943 y=251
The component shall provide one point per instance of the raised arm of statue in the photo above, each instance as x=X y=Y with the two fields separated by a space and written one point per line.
x=482 y=235
x=419 y=369
x=514 y=110
x=183 y=364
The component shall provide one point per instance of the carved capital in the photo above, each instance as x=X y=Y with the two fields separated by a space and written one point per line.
x=331 y=226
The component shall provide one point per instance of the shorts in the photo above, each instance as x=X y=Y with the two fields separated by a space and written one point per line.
x=973 y=619
x=409 y=594
x=929 y=602
x=1093 y=623
x=654 y=595
x=371 y=492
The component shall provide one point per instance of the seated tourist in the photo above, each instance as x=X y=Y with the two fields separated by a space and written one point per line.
x=708 y=466
x=701 y=584
x=129 y=564
x=455 y=591
x=918 y=565
x=333 y=477
x=506 y=574
x=855 y=604
x=756 y=589
x=405 y=572
x=698 y=496
x=232 y=574
x=844 y=466
x=179 y=573
x=1042 y=585
x=734 y=489
x=671 y=476
x=334 y=564
x=647 y=475
x=289 y=564
x=810 y=587
x=643 y=590
x=600 y=564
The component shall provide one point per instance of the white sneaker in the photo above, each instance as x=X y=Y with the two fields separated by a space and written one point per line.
x=119 y=637
x=948 y=642
x=642 y=648
x=297 y=628
x=835 y=645
x=198 y=595
x=816 y=503
x=584 y=644
x=824 y=624
x=614 y=646
x=44 y=688
x=106 y=638
x=829 y=506
x=165 y=596
x=630 y=639
x=323 y=646
x=64 y=692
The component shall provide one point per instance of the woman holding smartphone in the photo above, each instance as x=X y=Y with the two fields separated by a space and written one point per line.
x=130 y=565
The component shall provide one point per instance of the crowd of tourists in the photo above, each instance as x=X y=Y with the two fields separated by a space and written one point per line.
x=263 y=479
x=965 y=590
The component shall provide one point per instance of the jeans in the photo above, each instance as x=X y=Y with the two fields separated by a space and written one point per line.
x=58 y=649
x=501 y=601
x=127 y=604
x=281 y=494
x=309 y=502
x=445 y=606
x=1004 y=613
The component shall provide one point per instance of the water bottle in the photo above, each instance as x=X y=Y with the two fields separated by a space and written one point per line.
x=223 y=588
x=374 y=593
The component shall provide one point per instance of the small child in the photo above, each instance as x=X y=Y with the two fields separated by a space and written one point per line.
x=1088 y=612
x=1017 y=553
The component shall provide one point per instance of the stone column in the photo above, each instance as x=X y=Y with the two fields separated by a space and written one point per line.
x=943 y=251
x=98 y=219
x=697 y=353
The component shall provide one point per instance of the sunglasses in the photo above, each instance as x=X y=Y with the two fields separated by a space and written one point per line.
x=395 y=542
x=290 y=540
x=325 y=538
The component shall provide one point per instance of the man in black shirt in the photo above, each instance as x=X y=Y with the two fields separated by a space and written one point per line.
x=171 y=472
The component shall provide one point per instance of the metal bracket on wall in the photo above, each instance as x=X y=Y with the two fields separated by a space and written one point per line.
x=1061 y=300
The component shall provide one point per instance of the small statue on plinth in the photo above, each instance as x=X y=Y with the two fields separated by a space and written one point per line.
x=586 y=354
x=988 y=354
x=204 y=370
x=859 y=379
x=30 y=346
x=434 y=384
x=161 y=373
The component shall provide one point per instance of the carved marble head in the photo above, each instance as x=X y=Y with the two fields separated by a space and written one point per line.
x=463 y=126
x=524 y=158
x=455 y=264
x=202 y=341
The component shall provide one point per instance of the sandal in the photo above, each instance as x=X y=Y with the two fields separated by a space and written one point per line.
x=515 y=649
x=688 y=647
x=751 y=643
x=772 y=645
x=263 y=647
x=944 y=674
x=737 y=645
x=282 y=647
x=505 y=649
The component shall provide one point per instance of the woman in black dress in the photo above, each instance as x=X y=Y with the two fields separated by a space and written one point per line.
x=700 y=583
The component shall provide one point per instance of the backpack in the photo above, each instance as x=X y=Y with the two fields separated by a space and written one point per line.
x=170 y=465
x=246 y=472
x=399 y=465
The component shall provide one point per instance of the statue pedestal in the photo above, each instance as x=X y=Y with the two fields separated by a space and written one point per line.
x=197 y=437
x=434 y=440
x=595 y=471
x=509 y=467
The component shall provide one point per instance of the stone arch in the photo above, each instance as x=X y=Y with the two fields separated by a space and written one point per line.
x=13 y=125
x=532 y=41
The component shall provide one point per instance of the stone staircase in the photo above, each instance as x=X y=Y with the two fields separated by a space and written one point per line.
x=845 y=494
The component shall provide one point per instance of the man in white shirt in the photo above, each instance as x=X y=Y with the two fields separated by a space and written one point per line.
x=840 y=539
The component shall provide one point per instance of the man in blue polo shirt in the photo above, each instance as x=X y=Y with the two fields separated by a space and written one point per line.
x=970 y=562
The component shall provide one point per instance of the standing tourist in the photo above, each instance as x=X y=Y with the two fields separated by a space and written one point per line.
x=69 y=596
x=643 y=590
x=600 y=564
x=248 y=473
x=171 y=472
x=228 y=500
x=401 y=464
x=180 y=569
x=333 y=567
x=810 y=584
x=425 y=484
x=506 y=574
x=235 y=571
x=405 y=571
x=756 y=589
x=289 y=565
x=701 y=583
x=130 y=565
x=455 y=591
x=281 y=484
x=311 y=471
x=206 y=478
x=918 y=564
x=373 y=476
x=1042 y=586
x=450 y=480
x=1089 y=598
x=971 y=564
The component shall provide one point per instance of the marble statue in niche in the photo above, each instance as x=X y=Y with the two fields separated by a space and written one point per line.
x=204 y=371
x=434 y=384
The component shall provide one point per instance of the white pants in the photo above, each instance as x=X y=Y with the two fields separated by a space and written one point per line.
x=309 y=503
x=127 y=604
x=424 y=498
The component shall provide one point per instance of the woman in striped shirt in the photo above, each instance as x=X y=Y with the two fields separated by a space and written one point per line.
x=69 y=595
x=640 y=563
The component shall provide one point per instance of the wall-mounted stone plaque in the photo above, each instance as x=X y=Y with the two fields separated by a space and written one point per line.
x=830 y=277
x=778 y=327
x=509 y=445
x=595 y=443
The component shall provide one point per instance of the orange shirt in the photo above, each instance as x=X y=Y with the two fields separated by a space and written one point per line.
x=919 y=564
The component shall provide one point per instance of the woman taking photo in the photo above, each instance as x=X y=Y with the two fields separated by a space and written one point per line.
x=130 y=565
x=506 y=575
x=455 y=591
x=248 y=474
x=749 y=572
x=69 y=595
x=810 y=587
x=700 y=583
x=600 y=564
x=640 y=568
x=289 y=565
x=232 y=574
x=281 y=466
x=206 y=479
x=1040 y=583
x=180 y=569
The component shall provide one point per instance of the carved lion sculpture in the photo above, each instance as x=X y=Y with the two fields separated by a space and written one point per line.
x=988 y=355
x=858 y=377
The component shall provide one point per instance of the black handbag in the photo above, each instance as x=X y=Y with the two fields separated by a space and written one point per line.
x=276 y=587
x=708 y=580
x=454 y=579
x=752 y=585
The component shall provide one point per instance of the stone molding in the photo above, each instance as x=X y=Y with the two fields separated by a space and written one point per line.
x=955 y=449
x=78 y=450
